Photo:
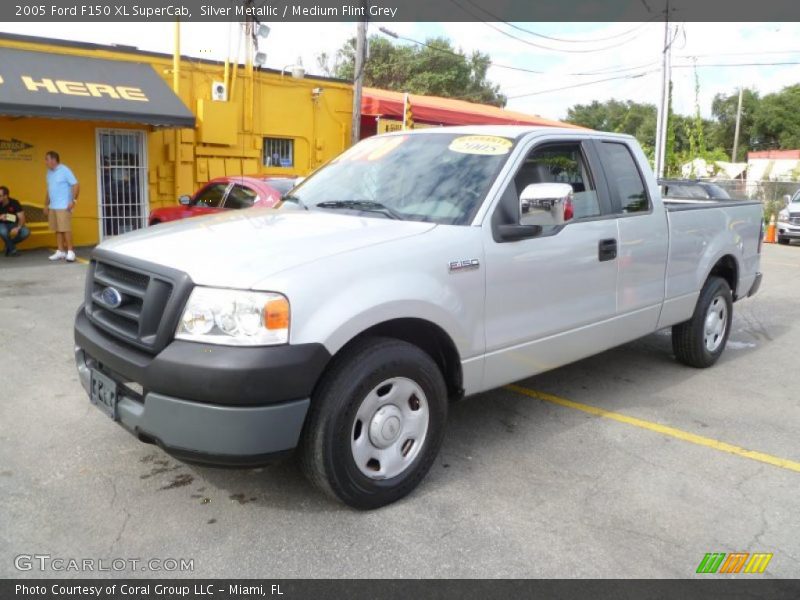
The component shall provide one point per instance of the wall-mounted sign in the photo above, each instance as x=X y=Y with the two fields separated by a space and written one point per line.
x=15 y=149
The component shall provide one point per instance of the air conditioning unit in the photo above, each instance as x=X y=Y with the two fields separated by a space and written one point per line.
x=219 y=91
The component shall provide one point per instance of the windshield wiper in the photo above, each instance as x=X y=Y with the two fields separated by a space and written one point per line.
x=296 y=200
x=362 y=205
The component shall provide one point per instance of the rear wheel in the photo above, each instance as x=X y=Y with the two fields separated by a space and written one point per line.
x=376 y=423
x=700 y=341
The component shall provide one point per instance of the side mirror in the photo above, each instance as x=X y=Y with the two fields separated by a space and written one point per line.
x=185 y=200
x=545 y=204
x=787 y=199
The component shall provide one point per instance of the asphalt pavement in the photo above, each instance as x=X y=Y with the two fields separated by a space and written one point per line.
x=626 y=464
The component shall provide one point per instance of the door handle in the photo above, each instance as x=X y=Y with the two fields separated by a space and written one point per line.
x=607 y=250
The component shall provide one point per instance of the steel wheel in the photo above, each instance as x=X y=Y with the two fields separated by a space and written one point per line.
x=716 y=322
x=390 y=427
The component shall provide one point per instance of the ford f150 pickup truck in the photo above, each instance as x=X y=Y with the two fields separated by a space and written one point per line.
x=414 y=269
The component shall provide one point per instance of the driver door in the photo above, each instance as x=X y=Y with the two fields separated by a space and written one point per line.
x=547 y=296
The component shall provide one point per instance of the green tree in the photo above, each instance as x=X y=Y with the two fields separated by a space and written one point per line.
x=776 y=121
x=724 y=107
x=436 y=69
x=634 y=118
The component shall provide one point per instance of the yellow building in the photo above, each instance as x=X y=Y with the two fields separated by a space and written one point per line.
x=111 y=114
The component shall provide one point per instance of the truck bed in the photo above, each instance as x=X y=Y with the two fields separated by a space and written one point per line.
x=700 y=233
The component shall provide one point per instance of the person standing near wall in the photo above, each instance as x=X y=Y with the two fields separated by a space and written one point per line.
x=62 y=194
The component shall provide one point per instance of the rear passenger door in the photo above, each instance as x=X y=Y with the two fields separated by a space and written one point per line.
x=643 y=237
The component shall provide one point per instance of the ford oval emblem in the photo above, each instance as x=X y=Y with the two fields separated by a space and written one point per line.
x=111 y=297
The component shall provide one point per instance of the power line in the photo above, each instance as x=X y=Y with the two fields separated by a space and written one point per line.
x=534 y=44
x=738 y=53
x=584 y=84
x=445 y=51
x=565 y=40
x=604 y=71
x=745 y=64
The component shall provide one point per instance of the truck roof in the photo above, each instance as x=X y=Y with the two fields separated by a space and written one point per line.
x=511 y=131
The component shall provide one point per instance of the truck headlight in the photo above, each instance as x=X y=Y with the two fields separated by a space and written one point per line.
x=234 y=318
x=783 y=215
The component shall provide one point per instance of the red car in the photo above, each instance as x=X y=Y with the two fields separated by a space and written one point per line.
x=225 y=193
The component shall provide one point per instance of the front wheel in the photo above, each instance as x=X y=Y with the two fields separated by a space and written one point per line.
x=700 y=341
x=784 y=241
x=376 y=423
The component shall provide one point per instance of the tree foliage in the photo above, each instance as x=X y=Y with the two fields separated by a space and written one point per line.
x=436 y=69
x=723 y=108
x=634 y=118
x=767 y=122
x=776 y=122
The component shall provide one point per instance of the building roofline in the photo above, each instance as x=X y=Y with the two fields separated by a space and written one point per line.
x=126 y=49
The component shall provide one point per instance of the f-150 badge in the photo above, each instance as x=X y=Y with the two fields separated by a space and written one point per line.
x=461 y=265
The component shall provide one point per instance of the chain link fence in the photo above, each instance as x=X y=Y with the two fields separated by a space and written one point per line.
x=765 y=191
x=770 y=193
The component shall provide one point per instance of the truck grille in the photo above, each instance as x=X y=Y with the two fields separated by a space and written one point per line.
x=134 y=304
x=794 y=218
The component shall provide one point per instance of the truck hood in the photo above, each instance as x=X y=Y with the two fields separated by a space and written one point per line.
x=241 y=247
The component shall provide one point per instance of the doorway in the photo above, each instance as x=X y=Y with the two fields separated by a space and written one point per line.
x=121 y=180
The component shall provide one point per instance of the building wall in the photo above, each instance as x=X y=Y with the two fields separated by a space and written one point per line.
x=228 y=138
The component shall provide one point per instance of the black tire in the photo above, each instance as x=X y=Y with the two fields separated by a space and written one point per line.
x=688 y=339
x=325 y=452
x=784 y=241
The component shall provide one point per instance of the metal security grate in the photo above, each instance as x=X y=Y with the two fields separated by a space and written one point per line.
x=278 y=152
x=122 y=181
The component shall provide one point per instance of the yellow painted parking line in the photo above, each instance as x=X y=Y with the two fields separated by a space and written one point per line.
x=686 y=436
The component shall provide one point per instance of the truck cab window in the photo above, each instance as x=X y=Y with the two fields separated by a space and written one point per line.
x=625 y=178
x=562 y=163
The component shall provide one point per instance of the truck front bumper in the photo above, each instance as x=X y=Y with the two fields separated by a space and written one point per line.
x=788 y=230
x=257 y=415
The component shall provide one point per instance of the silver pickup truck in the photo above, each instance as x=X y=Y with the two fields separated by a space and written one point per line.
x=414 y=269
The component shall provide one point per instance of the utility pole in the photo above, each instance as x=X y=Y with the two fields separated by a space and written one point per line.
x=361 y=49
x=738 y=125
x=662 y=119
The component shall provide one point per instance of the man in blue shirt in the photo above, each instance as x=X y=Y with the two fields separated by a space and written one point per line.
x=62 y=194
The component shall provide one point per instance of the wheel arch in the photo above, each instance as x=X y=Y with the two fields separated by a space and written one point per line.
x=427 y=336
x=726 y=267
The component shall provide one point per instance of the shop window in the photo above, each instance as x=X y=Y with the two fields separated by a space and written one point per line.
x=278 y=152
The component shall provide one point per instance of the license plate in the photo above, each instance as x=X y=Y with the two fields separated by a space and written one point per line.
x=104 y=394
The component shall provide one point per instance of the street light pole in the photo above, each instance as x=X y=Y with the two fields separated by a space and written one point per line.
x=361 y=47
x=662 y=119
x=738 y=125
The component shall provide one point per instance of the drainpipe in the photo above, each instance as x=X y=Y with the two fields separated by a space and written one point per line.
x=176 y=87
x=250 y=79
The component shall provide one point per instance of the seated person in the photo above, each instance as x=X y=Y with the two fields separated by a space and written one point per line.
x=12 y=222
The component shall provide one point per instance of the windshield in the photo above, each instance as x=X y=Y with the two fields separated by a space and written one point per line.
x=437 y=177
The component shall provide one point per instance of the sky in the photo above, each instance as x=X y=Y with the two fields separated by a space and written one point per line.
x=626 y=55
